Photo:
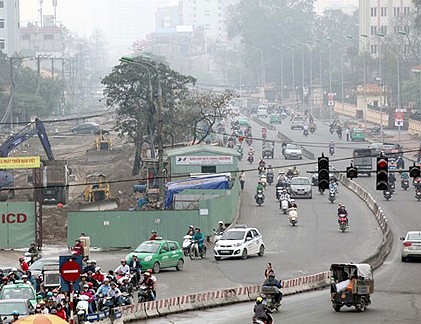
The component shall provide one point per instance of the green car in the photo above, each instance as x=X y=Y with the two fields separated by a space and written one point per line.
x=357 y=134
x=275 y=119
x=243 y=121
x=19 y=291
x=158 y=254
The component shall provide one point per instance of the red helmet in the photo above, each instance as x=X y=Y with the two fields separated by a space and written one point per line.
x=149 y=270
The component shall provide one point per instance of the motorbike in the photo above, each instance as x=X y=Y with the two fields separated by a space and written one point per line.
x=269 y=178
x=144 y=294
x=218 y=235
x=418 y=195
x=269 y=293
x=387 y=194
x=259 y=321
x=126 y=299
x=405 y=184
x=279 y=190
x=261 y=169
x=186 y=244
x=305 y=133
x=332 y=195
x=250 y=158
x=260 y=197
x=284 y=206
x=82 y=308
x=194 y=251
x=392 y=187
x=331 y=129
x=331 y=150
x=342 y=219
x=293 y=216
x=31 y=258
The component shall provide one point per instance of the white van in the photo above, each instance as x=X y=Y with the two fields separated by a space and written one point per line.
x=262 y=111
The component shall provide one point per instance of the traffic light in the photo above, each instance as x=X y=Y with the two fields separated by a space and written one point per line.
x=382 y=173
x=351 y=172
x=414 y=171
x=323 y=171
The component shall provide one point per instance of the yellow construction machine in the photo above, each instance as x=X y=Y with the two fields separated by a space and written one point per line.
x=97 y=188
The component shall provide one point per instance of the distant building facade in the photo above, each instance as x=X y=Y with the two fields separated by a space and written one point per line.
x=386 y=17
x=9 y=26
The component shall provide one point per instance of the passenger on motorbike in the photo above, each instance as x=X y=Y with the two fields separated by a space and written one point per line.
x=292 y=204
x=190 y=230
x=284 y=195
x=221 y=227
x=23 y=265
x=103 y=289
x=342 y=212
x=261 y=311
x=272 y=282
x=115 y=293
x=199 y=237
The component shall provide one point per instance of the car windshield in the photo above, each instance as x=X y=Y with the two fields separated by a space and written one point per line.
x=233 y=235
x=8 y=307
x=38 y=265
x=293 y=147
x=148 y=247
x=300 y=181
x=17 y=292
x=414 y=237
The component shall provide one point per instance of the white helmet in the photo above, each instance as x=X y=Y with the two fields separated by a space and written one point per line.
x=221 y=223
x=292 y=200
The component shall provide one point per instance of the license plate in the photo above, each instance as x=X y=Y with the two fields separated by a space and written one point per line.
x=416 y=247
x=225 y=252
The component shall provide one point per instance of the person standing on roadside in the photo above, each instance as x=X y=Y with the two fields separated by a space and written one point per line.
x=268 y=270
x=242 y=179
x=347 y=134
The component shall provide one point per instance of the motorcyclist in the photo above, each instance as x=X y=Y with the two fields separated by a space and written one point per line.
x=272 y=282
x=342 y=212
x=290 y=172
x=292 y=204
x=34 y=252
x=295 y=171
x=221 y=227
x=259 y=187
x=417 y=184
x=199 y=237
x=123 y=267
x=281 y=176
x=305 y=130
x=391 y=178
x=261 y=311
x=190 y=231
x=331 y=146
x=400 y=163
x=115 y=293
x=126 y=286
x=269 y=170
x=77 y=249
x=284 y=195
x=262 y=165
x=149 y=283
x=251 y=151
x=333 y=185
x=339 y=131
x=404 y=177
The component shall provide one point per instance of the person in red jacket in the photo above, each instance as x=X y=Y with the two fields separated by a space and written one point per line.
x=154 y=236
x=60 y=312
x=98 y=276
x=23 y=265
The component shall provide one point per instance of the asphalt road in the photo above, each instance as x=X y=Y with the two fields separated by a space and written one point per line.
x=397 y=297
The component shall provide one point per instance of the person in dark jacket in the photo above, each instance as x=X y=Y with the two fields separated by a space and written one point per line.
x=261 y=311
x=272 y=282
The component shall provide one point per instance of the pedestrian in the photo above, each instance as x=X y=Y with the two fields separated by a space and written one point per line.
x=268 y=270
x=242 y=179
x=347 y=134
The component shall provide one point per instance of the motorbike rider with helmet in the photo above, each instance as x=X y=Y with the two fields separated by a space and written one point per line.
x=272 y=282
x=261 y=311
x=281 y=176
x=292 y=204
x=149 y=283
x=342 y=212
x=400 y=163
x=77 y=248
x=34 y=252
x=331 y=146
x=404 y=176
x=221 y=228
x=190 y=230
x=417 y=184
x=200 y=238
x=333 y=185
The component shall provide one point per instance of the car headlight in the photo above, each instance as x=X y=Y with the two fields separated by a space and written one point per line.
x=237 y=244
x=148 y=258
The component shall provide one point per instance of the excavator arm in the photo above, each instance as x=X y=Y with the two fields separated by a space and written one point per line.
x=27 y=132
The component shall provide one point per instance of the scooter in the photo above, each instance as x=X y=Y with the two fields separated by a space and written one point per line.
x=331 y=150
x=29 y=258
x=293 y=216
x=342 y=222
x=144 y=294
x=126 y=299
x=332 y=195
x=186 y=244
x=259 y=321
x=269 y=178
x=250 y=159
x=405 y=184
x=387 y=194
x=82 y=308
x=418 y=195
x=305 y=133
x=284 y=206
x=194 y=251
x=218 y=235
x=260 y=197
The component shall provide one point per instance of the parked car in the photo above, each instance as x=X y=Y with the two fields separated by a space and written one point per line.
x=275 y=119
x=298 y=122
x=17 y=291
x=411 y=245
x=300 y=187
x=158 y=254
x=239 y=241
x=7 y=306
x=293 y=151
x=89 y=128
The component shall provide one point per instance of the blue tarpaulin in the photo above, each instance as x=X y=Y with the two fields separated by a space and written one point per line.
x=173 y=188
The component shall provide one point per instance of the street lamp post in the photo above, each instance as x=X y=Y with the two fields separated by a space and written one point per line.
x=263 y=77
x=311 y=80
x=302 y=73
x=293 y=69
x=380 y=84
x=282 y=71
x=160 y=103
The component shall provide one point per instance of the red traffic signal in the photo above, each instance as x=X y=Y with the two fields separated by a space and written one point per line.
x=382 y=163
x=382 y=173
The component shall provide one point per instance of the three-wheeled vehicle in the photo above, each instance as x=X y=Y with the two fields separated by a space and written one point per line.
x=351 y=285
x=268 y=150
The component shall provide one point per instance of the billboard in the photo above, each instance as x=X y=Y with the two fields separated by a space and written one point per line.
x=17 y=224
x=20 y=162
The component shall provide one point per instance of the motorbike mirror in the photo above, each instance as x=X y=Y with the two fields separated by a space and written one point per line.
x=248 y=238
x=402 y=238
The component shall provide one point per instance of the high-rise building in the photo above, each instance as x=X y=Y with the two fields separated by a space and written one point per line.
x=208 y=14
x=9 y=26
x=382 y=17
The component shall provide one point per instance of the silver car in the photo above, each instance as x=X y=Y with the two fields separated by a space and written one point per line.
x=300 y=187
x=293 y=151
x=411 y=245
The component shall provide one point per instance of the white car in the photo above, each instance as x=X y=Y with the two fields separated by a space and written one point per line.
x=293 y=151
x=239 y=241
x=411 y=245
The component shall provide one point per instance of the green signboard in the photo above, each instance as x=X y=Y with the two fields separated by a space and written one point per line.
x=17 y=224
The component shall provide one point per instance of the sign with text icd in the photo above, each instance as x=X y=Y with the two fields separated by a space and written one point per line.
x=204 y=160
